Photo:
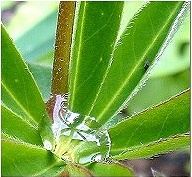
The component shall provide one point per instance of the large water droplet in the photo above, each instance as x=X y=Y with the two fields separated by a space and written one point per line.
x=75 y=139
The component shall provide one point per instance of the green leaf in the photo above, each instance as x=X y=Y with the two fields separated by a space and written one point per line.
x=159 y=147
x=139 y=44
x=78 y=170
x=42 y=76
x=166 y=120
x=176 y=57
x=160 y=89
x=111 y=169
x=22 y=111
x=23 y=159
x=96 y=29
x=17 y=127
x=19 y=91
x=129 y=9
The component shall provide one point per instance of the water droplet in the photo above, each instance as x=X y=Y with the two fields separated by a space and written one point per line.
x=70 y=129
x=47 y=145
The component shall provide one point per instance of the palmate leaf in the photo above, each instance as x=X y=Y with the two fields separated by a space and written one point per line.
x=22 y=111
x=20 y=107
x=157 y=130
x=104 y=71
x=139 y=44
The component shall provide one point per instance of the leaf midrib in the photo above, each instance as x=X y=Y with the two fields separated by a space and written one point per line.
x=16 y=115
x=20 y=105
x=78 y=56
x=135 y=68
x=19 y=141
x=148 y=145
x=106 y=72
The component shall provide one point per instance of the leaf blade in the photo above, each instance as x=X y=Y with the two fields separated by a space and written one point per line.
x=111 y=169
x=160 y=147
x=152 y=125
x=42 y=161
x=128 y=68
x=78 y=170
x=86 y=73
x=23 y=131
x=18 y=86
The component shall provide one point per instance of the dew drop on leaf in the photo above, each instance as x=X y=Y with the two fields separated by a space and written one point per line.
x=47 y=145
x=77 y=138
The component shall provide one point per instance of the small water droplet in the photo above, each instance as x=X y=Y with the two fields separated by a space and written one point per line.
x=47 y=145
x=96 y=157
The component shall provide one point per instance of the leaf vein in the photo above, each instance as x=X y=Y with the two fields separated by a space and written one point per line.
x=118 y=92
x=19 y=104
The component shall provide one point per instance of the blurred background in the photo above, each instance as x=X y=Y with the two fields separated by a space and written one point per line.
x=32 y=26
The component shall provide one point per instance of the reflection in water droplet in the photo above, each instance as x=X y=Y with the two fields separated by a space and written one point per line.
x=47 y=145
x=74 y=139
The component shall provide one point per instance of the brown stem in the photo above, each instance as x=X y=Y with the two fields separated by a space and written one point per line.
x=63 y=47
x=62 y=52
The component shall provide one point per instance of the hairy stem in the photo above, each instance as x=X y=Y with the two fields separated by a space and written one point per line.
x=63 y=47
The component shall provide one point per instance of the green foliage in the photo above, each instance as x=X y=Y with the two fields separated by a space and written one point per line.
x=111 y=169
x=108 y=66
x=137 y=132
x=19 y=90
x=22 y=112
x=122 y=67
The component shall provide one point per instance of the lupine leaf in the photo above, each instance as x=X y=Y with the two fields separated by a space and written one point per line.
x=159 y=123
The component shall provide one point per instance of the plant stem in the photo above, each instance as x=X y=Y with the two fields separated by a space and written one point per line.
x=62 y=47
